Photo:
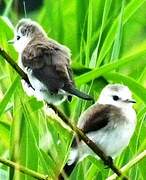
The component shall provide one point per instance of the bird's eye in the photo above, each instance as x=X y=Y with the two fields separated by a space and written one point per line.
x=115 y=98
x=18 y=37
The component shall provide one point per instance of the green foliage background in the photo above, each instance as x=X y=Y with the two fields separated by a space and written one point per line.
x=108 y=43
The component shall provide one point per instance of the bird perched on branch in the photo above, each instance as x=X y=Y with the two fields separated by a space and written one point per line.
x=47 y=64
x=110 y=123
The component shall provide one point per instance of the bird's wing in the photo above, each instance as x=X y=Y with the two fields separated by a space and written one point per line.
x=44 y=52
x=50 y=64
x=97 y=116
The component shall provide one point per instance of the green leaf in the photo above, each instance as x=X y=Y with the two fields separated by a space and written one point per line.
x=86 y=77
x=118 y=38
x=104 y=20
x=8 y=95
x=129 y=11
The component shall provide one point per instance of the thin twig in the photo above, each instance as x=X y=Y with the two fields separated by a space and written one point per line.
x=130 y=164
x=23 y=169
x=91 y=144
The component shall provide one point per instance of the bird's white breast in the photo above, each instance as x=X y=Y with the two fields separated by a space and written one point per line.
x=113 y=140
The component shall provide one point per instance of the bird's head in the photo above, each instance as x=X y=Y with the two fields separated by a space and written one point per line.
x=117 y=95
x=25 y=31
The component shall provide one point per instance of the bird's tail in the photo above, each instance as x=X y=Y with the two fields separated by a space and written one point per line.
x=67 y=170
x=72 y=90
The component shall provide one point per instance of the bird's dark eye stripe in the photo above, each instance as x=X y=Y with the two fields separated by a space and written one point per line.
x=115 y=98
x=18 y=37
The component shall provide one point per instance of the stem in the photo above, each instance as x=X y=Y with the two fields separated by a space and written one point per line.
x=24 y=169
x=107 y=160
x=130 y=164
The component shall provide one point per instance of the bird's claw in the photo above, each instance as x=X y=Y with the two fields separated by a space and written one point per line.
x=108 y=162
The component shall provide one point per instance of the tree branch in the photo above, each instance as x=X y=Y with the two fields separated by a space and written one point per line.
x=91 y=144
x=24 y=169
x=130 y=164
x=106 y=159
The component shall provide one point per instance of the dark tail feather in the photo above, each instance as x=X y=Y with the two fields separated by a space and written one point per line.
x=67 y=170
x=76 y=92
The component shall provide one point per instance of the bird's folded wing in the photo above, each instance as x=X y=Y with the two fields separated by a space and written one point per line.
x=38 y=53
x=97 y=117
x=50 y=64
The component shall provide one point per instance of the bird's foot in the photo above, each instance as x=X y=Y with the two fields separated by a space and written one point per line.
x=54 y=91
x=69 y=98
x=108 y=162
x=28 y=69
x=28 y=88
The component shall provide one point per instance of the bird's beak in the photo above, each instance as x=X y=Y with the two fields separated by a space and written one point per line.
x=130 y=101
x=11 y=41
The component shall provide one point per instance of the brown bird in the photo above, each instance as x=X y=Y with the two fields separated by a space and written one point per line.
x=47 y=64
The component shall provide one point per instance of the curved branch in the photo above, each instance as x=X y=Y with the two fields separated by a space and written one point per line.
x=91 y=144
x=106 y=159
